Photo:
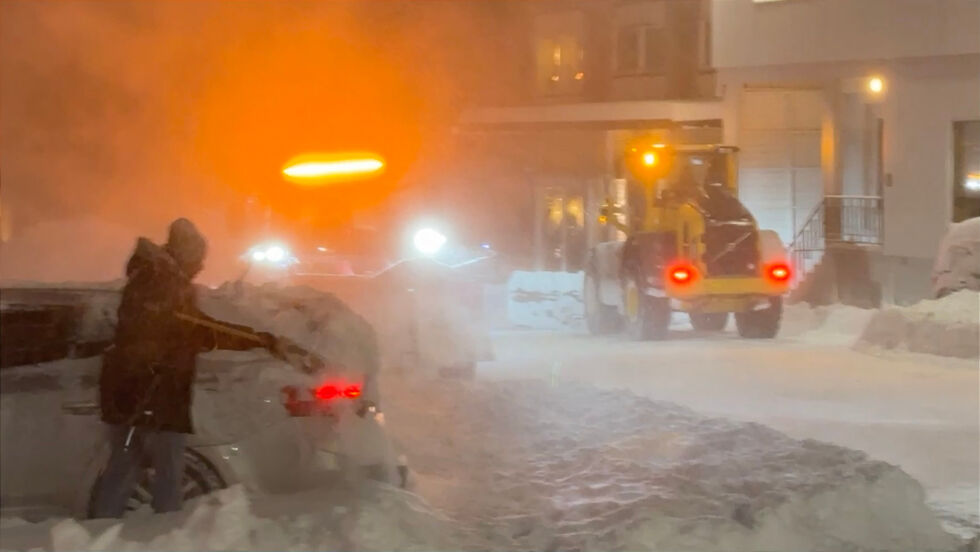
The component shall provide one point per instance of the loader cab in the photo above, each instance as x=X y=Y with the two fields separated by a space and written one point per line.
x=664 y=177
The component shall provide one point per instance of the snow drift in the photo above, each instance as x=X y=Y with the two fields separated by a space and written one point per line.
x=557 y=467
x=946 y=326
x=546 y=300
x=830 y=324
x=571 y=467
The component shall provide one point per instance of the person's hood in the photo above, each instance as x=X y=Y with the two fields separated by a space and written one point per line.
x=186 y=245
x=152 y=258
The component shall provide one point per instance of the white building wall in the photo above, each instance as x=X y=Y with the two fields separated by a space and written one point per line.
x=928 y=52
x=747 y=33
x=925 y=99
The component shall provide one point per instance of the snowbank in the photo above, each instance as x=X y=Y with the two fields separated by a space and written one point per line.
x=947 y=326
x=572 y=467
x=831 y=324
x=507 y=466
x=546 y=300
x=381 y=518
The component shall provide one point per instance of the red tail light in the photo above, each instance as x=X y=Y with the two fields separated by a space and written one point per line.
x=318 y=401
x=681 y=274
x=779 y=272
x=330 y=391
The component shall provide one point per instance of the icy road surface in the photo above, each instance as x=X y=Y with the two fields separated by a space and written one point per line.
x=920 y=412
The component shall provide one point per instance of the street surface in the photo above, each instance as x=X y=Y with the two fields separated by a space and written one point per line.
x=919 y=412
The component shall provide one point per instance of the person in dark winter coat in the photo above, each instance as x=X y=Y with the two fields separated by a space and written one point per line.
x=148 y=374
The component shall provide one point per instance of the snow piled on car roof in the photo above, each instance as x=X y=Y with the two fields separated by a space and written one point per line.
x=317 y=321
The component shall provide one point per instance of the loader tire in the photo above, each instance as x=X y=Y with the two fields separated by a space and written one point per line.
x=760 y=324
x=599 y=318
x=709 y=321
x=647 y=317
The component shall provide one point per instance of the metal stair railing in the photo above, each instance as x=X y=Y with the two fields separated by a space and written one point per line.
x=853 y=219
x=808 y=245
x=835 y=219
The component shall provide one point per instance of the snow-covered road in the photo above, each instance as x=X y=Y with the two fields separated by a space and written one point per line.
x=920 y=412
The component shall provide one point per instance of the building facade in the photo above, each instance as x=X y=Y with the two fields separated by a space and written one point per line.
x=599 y=72
x=865 y=111
x=857 y=121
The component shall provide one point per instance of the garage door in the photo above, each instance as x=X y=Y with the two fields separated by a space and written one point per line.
x=779 y=176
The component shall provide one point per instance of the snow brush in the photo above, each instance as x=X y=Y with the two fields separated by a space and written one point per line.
x=284 y=348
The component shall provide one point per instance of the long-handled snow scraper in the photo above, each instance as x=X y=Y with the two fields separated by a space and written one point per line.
x=286 y=349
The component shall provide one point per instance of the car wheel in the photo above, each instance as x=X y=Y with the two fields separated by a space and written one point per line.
x=760 y=324
x=199 y=478
x=709 y=321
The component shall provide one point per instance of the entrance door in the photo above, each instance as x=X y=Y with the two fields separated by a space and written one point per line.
x=779 y=165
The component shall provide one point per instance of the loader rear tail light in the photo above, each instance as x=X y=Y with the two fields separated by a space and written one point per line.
x=681 y=274
x=326 y=392
x=779 y=272
x=352 y=392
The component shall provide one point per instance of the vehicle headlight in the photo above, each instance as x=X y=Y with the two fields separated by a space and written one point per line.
x=271 y=254
x=428 y=241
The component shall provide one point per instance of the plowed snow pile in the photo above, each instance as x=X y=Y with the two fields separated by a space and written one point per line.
x=833 y=324
x=533 y=466
x=947 y=326
x=507 y=466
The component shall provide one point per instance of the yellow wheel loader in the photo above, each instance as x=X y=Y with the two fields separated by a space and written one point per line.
x=686 y=243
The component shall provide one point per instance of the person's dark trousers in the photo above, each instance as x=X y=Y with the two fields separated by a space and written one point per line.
x=165 y=450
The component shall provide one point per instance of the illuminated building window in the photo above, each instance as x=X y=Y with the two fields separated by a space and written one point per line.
x=560 y=62
x=966 y=173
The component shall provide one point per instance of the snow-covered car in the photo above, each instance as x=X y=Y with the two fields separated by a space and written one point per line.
x=957 y=263
x=258 y=421
x=429 y=316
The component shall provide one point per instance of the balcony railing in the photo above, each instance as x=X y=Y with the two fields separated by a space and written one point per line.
x=837 y=219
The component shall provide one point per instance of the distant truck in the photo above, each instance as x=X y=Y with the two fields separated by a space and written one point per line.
x=690 y=245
